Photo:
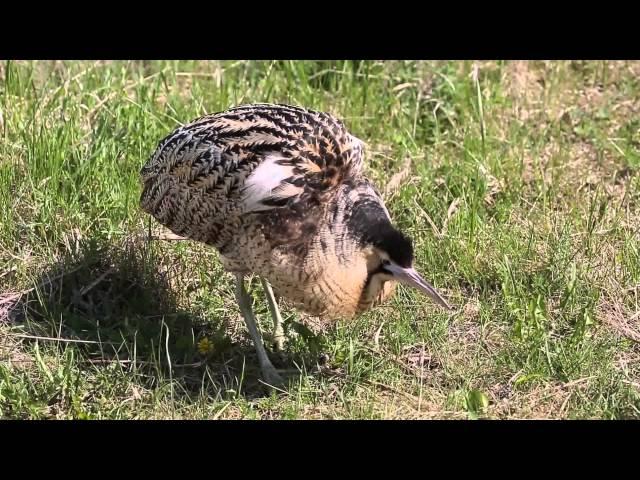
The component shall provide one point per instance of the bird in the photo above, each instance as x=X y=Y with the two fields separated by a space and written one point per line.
x=280 y=192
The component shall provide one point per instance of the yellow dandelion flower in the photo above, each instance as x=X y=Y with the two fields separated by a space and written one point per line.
x=205 y=346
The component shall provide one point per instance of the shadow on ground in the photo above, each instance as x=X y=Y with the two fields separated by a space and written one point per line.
x=116 y=303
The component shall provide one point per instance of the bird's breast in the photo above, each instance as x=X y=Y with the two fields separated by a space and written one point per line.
x=331 y=286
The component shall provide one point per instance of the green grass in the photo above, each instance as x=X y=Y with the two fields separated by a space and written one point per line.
x=518 y=182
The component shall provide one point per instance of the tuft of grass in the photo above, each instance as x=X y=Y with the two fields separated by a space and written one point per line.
x=518 y=182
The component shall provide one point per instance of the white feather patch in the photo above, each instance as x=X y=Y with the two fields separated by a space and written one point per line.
x=267 y=181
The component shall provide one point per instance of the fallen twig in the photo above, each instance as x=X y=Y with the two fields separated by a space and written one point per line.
x=86 y=289
x=167 y=236
x=54 y=339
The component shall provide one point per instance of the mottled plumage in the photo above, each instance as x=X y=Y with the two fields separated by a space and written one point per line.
x=279 y=192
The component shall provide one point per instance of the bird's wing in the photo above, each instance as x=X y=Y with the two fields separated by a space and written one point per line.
x=247 y=159
x=319 y=155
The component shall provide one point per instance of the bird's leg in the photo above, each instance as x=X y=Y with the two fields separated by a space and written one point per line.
x=269 y=372
x=278 y=332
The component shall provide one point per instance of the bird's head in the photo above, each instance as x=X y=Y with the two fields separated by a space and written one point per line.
x=387 y=252
x=392 y=258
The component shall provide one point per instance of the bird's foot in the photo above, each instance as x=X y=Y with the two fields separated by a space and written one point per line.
x=278 y=343
x=271 y=377
x=276 y=377
x=276 y=339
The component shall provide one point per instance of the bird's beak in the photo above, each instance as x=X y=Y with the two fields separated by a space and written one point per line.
x=411 y=278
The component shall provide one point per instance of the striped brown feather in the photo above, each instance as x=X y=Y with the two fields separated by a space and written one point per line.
x=196 y=181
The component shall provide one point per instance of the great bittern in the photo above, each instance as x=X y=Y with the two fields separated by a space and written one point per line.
x=279 y=192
